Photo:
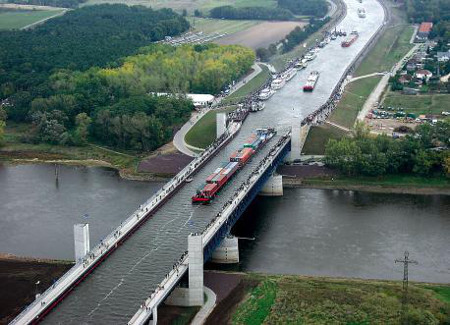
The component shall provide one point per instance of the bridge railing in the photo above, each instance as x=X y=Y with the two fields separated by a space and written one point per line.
x=171 y=279
x=96 y=253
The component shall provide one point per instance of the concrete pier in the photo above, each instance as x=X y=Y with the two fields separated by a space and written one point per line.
x=273 y=186
x=227 y=252
x=192 y=296
x=298 y=138
x=221 y=122
x=81 y=240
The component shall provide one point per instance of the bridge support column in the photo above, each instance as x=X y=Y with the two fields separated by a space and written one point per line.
x=227 y=252
x=298 y=138
x=273 y=186
x=194 y=295
x=81 y=239
x=154 y=319
x=221 y=122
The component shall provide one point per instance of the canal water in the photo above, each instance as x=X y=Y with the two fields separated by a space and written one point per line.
x=347 y=234
x=37 y=213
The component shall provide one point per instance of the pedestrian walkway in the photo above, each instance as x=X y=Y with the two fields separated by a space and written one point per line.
x=207 y=308
x=343 y=128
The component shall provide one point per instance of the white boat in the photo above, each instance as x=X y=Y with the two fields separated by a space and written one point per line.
x=278 y=83
x=300 y=65
x=289 y=74
x=266 y=93
x=188 y=180
x=310 y=56
x=361 y=13
x=257 y=106
x=311 y=81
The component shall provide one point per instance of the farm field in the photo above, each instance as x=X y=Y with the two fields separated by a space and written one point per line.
x=190 y=5
x=208 y=25
x=433 y=104
x=15 y=19
x=261 y=35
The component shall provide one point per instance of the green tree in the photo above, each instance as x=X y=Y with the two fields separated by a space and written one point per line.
x=82 y=123
x=2 y=131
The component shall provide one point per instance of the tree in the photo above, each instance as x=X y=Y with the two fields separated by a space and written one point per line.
x=2 y=131
x=263 y=54
x=184 y=13
x=198 y=13
x=82 y=123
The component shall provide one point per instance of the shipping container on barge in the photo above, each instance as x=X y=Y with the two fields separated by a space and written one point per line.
x=222 y=175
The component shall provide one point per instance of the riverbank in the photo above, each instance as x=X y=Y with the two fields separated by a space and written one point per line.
x=276 y=299
x=19 y=275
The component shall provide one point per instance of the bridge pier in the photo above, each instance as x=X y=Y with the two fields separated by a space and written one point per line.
x=221 y=124
x=81 y=240
x=227 y=252
x=193 y=295
x=298 y=138
x=154 y=318
x=273 y=186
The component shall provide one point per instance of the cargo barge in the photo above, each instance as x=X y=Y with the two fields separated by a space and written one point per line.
x=311 y=81
x=223 y=174
x=351 y=39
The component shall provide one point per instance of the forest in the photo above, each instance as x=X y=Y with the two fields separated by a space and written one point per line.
x=115 y=106
x=430 y=10
x=298 y=35
x=91 y=36
x=421 y=152
x=254 y=13
x=316 y=8
x=52 y=3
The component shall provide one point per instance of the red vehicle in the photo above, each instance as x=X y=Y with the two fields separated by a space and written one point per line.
x=220 y=177
x=351 y=39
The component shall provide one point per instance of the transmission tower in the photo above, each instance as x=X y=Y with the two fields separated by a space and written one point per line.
x=406 y=261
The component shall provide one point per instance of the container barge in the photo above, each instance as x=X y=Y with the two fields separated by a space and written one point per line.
x=311 y=81
x=351 y=39
x=222 y=175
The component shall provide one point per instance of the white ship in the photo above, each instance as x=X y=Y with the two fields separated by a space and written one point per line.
x=310 y=56
x=266 y=93
x=300 y=65
x=289 y=74
x=257 y=106
x=278 y=83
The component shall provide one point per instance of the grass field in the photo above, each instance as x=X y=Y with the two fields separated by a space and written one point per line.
x=203 y=133
x=208 y=25
x=389 y=181
x=419 y=104
x=391 y=48
x=15 y=19
x=352 y=101
x=307 y=300
x=318 y=137
x=191 y=5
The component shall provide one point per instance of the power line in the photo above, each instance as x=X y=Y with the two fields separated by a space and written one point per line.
x=406 y=261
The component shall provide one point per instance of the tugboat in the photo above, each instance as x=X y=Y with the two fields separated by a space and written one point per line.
x=351 y=39
x=311 y=81
x=266 y=93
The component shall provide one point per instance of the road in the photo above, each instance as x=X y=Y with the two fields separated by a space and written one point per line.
x=179 y=139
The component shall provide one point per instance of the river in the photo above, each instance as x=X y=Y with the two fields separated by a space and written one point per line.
x=347 y=234
x=37 y=214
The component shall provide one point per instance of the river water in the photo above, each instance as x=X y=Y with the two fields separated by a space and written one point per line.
x=37 y=214
x=347 y=234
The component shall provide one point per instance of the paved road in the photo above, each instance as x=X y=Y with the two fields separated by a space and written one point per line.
x=179 y=138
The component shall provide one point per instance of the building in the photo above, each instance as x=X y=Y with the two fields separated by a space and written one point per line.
x=199 y=100
x=443 y=56
x=424 y=30
x=421 y=74
x=405 y=79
